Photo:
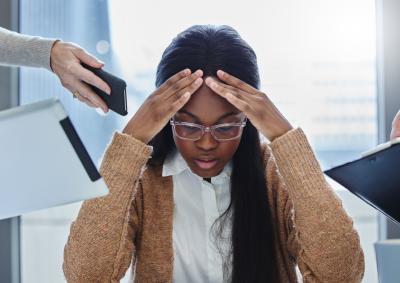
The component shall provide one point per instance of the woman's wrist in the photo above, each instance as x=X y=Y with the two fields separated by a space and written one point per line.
x=52 y=53
x=276 y=130
x=282 y=132
x=136 y=133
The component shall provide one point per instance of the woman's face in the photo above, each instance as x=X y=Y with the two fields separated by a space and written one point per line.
x=207 y=156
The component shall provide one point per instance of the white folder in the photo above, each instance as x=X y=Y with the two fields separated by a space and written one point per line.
x=43 y=162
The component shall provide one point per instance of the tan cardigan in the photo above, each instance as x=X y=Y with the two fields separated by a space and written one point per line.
x=135 y=220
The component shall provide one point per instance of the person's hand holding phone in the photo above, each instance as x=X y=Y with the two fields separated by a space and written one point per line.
x=395 y=127
x=65 y=60
x=162 y=104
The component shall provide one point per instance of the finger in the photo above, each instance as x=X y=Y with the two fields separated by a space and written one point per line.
x=238 y=103
x=226 y=93
x=395 y=133
x=223 y=89
x=172 y=80
x=183 y=83
x=85 y=91
x=87 y=58
x=84 y=100
x=192 y=88
x=77 y=95
x=89 y=103
x=87 y=76
x=179 y=103
x=233 y=81
x=396 y=120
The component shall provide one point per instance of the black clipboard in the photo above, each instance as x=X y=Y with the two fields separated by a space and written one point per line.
x=375 y=178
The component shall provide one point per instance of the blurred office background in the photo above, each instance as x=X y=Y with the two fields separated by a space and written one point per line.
x=320 y=62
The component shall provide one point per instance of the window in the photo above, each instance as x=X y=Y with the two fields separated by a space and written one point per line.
x=317 y=63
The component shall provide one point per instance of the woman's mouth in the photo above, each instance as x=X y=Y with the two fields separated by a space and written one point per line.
x=206 y=164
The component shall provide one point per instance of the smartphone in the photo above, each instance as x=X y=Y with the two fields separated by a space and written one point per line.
x=116 y=101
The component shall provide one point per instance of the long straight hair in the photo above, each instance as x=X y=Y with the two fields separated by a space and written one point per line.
x=211 y=48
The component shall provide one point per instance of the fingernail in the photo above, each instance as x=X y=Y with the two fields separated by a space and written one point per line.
x=101 y=62
x=199 y=73
x=198 y=81
x=221 y=73
x=107 y=90
x=186 y=71
x=214 y=85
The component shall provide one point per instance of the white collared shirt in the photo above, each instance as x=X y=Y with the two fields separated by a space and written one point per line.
x=197 y=205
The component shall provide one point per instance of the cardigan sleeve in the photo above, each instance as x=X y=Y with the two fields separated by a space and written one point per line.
x=101 y=241
x=24 y=50
x=320 y=235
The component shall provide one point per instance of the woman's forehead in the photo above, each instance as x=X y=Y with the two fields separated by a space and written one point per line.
x=207 y=105
x=234 y=116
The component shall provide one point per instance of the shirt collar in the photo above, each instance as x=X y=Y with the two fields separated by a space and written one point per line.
x=174 y=164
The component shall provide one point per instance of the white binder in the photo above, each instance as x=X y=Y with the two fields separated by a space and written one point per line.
x=43 y=162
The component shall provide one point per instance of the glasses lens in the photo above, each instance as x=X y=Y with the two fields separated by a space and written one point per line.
x=188 y=131
x=227 y=132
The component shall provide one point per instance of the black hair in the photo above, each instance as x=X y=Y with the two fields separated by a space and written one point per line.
x=213 y=48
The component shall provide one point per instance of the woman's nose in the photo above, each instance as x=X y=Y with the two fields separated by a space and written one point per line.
x=207 y=141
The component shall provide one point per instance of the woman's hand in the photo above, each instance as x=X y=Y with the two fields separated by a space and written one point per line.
x=162 y=104
x=256 y=105
x=65 y=61
x=395 y=127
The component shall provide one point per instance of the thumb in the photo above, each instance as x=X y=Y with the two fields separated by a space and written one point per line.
x=88 y=59
x=395 y=127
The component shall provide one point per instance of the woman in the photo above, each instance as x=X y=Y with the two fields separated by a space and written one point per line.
x=195 y=197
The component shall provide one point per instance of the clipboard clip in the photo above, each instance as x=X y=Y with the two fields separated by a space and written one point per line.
x=380 y=147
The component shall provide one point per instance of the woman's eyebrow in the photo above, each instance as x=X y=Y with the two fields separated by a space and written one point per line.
x=183 y=111
x=228 y=114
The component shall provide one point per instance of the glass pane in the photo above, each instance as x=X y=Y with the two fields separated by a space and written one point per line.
x=317 y=63
x=86 y=23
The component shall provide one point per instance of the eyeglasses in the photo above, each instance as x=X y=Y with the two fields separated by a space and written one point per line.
x=220 y=132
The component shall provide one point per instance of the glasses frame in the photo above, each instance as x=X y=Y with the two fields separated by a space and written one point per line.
x=205 y=129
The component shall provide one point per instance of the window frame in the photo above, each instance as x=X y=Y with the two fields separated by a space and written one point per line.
x=9 y=97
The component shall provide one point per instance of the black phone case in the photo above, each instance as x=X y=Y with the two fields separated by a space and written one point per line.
x=117 y=100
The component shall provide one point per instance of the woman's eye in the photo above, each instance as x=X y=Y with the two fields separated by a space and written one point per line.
x=189 y=128
x=225 y=128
